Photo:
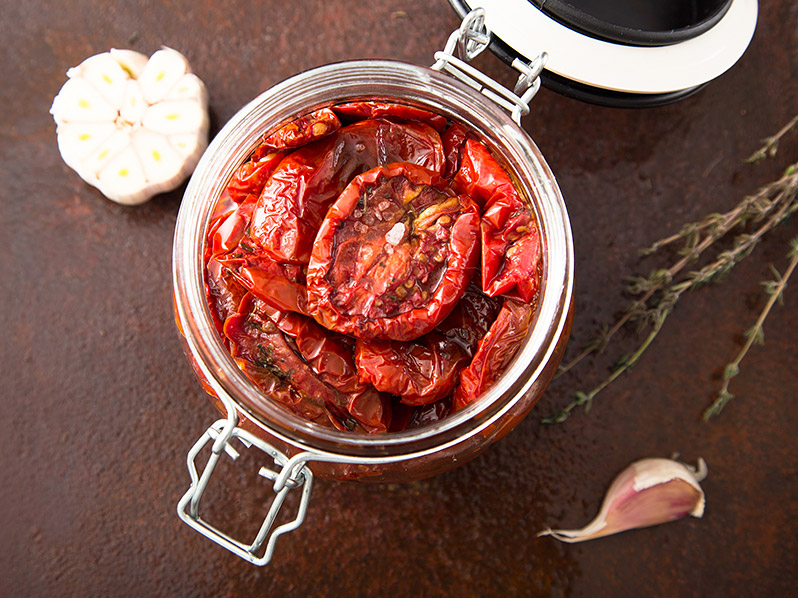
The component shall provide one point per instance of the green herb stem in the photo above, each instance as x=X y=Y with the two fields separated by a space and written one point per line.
x=756 y=207
x=657 y=294
x=775 y=290
x=771 y=145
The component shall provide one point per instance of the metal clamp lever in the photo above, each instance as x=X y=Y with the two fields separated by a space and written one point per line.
x=221 y=433
x=470 y=40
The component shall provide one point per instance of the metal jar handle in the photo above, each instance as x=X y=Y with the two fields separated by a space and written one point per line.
x=470 y=40
x=289 y=476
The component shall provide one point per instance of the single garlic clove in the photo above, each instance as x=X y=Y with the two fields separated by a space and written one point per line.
x=96 y=160
x=132 y=62
x=133 y=105
x=157 y=156
x=646 y=493
x=77 y=140
x=78 y=101
x=174 y=118
x=163 y=70
x=104 y=74
x=188 y=87
x=123 y=179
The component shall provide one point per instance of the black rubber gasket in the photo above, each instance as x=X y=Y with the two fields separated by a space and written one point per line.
x=637 y=22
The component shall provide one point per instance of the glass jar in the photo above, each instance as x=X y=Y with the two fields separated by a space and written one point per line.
x=386 y=457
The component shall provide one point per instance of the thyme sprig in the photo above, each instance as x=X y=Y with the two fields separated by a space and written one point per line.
x=655 y=295
x=754 y=335
x=771 y=145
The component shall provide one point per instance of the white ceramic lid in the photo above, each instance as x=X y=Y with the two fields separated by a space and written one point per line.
x=615 y=67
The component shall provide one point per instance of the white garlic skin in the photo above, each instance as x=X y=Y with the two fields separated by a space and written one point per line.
x=648 y=492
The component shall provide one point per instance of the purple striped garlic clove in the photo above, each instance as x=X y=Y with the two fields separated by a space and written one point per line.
x=648 y=492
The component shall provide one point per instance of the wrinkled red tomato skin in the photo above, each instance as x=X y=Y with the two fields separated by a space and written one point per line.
x=510 y=250
x=251 y=176
x=480 y=175
x=509 y=233
x=275 y=389
x=471 y=318
x=295 y=198
x=370 y=109
x=420 y=371
x=280 y=285
x=255 y=339
x=453 y=140
x=317 y=369
x=329 y=357
x=415 y=321
x=231 y=228
x=273 y=287
x=494 y=353
x=223 y=291
x=301 y=131
x=427 y=369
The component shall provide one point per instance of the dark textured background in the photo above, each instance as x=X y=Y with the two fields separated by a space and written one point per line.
x=99 y=406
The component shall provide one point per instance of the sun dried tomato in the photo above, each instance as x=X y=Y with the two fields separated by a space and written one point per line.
x=509 y=232
x=252 y=175
x=471 y=318
x=370 y=109
x=495 y=351
x=273 y=286
x=427 y=369
x=510 y=250
x=330 y=356
x=223 y=291
x=296 y=197
x=234 y=255
x=275 y=359
x=393 y=255
x=419 y=371
x=230 y=229
x=301 y=131
x=453 y=139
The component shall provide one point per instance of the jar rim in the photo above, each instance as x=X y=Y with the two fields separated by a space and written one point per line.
x=410 y=84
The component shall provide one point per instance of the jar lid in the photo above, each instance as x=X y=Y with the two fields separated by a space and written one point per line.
x=622 y=53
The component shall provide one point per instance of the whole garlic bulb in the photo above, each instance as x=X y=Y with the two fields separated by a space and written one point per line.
x=131 y=126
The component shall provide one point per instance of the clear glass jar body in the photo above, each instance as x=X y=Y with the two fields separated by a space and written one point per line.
x=411 y=454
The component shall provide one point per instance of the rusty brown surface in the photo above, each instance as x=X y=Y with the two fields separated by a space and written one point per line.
x=100 y=407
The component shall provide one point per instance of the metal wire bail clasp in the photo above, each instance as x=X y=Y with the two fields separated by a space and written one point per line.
x=470 y=40
x=297 y=475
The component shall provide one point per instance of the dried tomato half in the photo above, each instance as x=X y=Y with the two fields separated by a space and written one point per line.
x=296 y=196
x=393 y=255
x=509 y=232
x=229 y=230
x=223 y=291
x=252 y=175
x=419 y=371
x=301 y=131
x=495 y=351
x=371 y=109
x=330 y=356
x=234 y=254
x=274 y=360
x=427 y=369
x=453 y=139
